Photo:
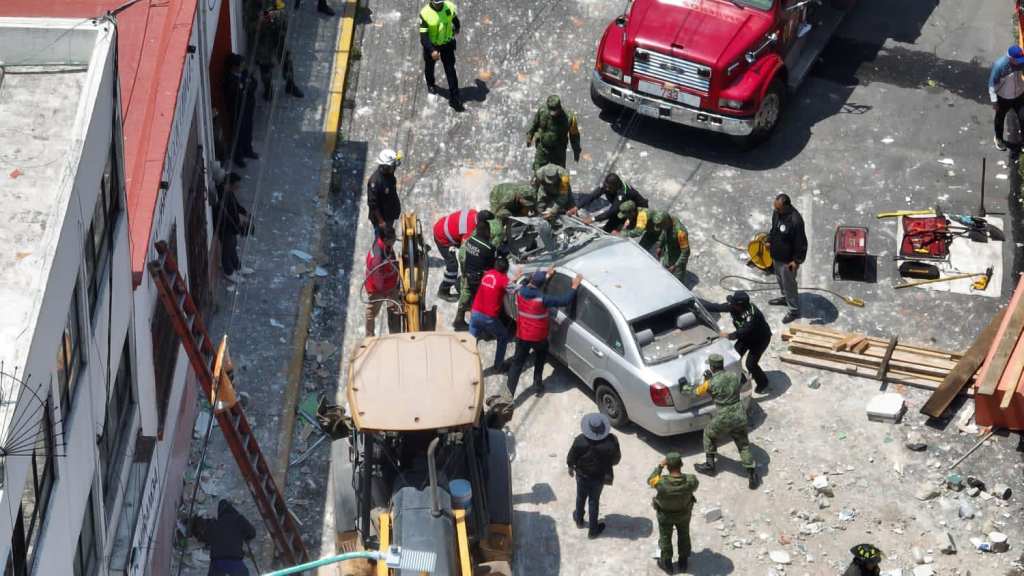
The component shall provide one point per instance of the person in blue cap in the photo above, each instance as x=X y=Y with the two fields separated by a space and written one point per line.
x=1006 y=89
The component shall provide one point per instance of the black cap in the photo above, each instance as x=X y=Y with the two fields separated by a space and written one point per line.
x=738 y=297
x=484 y=215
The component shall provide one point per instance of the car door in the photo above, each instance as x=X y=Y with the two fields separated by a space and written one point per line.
x=561 y=318
x=593 y=341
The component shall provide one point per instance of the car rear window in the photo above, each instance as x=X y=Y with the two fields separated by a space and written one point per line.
x=670 y=342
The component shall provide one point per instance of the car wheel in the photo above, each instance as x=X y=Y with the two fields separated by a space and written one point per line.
x=609 y=403
x=767 y=116
x=601 y=102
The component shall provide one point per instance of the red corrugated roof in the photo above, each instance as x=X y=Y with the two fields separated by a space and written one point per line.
x=152 y=40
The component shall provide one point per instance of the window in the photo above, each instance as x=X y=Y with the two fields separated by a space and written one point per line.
x=104 y=220
x=593 y=316
x=35 y=498
x=165 y=347
x=85 y=552
x=115 y=436
x=558 y=284
x=122 y=552
x=69 y=355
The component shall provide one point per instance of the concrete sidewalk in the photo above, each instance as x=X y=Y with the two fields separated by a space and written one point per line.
x=283 y=191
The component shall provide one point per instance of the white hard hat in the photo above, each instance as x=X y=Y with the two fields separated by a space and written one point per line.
x=389 y=157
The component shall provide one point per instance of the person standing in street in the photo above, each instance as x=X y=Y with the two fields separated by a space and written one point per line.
x=639 y=223
x=729 y=420
x=271 y=50
x=673 y=244
x=226 y=536
x=449 y=233
x=532 y=326
x=231 y=221
x=476 y=257
x=382 y=281
x=615 y=191
x=382 y=191
x=866 y=561
x=240 y=98
x=485 y=317
x=439 y=24
x=673 y=505
x=752 y=334
x=591 y=459
x=787 y=244
x=1006 y=91
x=551 y=131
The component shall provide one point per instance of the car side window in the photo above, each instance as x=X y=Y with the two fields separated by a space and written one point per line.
x=558 y=284
x=592 y=315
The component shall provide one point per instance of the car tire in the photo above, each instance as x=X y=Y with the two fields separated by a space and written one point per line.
x=767 y=117
x=609 y=403
x=603 y=104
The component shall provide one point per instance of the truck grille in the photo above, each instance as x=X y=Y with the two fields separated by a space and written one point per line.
x=671 y=69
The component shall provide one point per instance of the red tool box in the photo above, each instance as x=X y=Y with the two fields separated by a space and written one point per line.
x=925 y=238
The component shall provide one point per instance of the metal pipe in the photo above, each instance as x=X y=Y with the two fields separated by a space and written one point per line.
x=371 y=555
x=435 y=503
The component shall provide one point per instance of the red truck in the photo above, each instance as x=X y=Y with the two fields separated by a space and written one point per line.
x=719 y=65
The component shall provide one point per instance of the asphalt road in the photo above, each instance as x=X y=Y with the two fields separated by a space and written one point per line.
x=902 y=86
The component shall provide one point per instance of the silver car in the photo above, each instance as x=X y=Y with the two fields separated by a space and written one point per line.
x=634 y=335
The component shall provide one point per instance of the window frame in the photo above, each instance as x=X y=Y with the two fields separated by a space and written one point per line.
x=107 y=214
x=87 y=566
x=39 y=488
x=71 y=355
x=111 y=444
x=583 y=302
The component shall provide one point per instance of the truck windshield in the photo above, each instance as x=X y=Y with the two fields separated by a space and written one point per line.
x=759 y=4
x=668 y=337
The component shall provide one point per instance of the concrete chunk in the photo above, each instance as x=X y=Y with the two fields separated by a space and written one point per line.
x=712 y=514
x=886 y=407
x=946 y=544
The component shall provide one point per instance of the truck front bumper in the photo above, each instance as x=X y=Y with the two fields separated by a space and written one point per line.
x=670 y=111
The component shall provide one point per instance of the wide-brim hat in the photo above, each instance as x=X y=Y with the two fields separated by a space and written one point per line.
x=595 y=426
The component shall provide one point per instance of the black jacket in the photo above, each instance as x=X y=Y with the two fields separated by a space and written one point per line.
x=614 y=200
x=593 y=459
x=228 y=215
x=751 y=327
x=382 y=197
x=857 y=570
x=787 y=237
x=226 y=534
x=480 y=256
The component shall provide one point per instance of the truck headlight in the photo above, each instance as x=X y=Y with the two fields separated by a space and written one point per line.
x=611 y=71
x=730 y=103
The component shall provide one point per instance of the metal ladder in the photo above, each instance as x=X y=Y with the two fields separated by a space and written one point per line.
x=208 y=363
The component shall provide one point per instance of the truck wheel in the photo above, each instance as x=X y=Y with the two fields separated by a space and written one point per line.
x=609 y=403
x=768 y=114
x=346 y=510
x=601 y=102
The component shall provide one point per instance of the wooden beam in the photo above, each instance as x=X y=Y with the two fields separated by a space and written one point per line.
x=884 y=366
x=894 y=376
x=964 y=370
x=1007 y=337
x=867 y=361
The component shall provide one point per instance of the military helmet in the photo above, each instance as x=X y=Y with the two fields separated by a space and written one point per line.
x=554 y=102
x=673 y=460
x=716 y=361
x=627 y=209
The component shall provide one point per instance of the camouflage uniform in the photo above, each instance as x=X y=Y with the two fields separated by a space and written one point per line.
x=730 y=419
x=639 y=223
x=512 y=199
x=270 y=49
x=554 y=192
x=673 y=245
x=551 y=133
x=673 y=503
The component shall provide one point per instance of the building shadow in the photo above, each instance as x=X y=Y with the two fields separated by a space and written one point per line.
x=627 y=527
x=537 y=533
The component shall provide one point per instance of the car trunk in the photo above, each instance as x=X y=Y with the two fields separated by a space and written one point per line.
x=691 y=365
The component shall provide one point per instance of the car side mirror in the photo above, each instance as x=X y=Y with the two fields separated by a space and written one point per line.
x=644 y=337
x=620 y=21
x=686 y=321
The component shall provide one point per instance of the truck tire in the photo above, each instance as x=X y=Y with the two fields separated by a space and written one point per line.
x=768 y=114
x=609 y=403
x=601 y=102
x=346 y=510
x=499 y=478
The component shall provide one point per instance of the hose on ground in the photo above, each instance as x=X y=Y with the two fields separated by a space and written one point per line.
x=771 y=285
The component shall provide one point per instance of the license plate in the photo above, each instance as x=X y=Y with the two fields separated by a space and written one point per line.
x=648 y=110
x=669 y=93
x=687 y=99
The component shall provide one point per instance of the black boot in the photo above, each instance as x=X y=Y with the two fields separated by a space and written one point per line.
x=292 y=89
x=456 y=102
x=324 y=9
x=754 y=479
x=707 y=467
x=444 y=292
x=666 y=566
x=682 y=564
x=459 y=325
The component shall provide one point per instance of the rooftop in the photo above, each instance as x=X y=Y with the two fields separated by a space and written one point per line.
x=47 y=91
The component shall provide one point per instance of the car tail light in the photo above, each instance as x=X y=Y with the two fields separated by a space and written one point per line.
x=661 y=395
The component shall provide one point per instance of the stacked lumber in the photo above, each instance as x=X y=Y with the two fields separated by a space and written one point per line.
x=999 y=393
x=868 y=357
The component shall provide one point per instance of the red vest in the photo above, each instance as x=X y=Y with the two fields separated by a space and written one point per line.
x=532 y=321
x=490 y=294
x=380 y=279
x=454 y=228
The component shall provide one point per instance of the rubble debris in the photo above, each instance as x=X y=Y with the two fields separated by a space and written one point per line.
x=954 y=481
x=304 y=256
x=927 y=491
x=821 y=486
x=966 y=511
x=887 y=407
x=712 y=514
x=779 y=557
x=915 y=442
x=1001 y=491
x=923 y=571
x=999 y=541
x=946 y=543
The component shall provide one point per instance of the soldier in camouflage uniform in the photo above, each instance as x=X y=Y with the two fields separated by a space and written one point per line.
x=270 y=49
x=729 y=421
x=638 y=223
x=673 y=503
x=554 y=192
x=673 y=244
x=553 y=128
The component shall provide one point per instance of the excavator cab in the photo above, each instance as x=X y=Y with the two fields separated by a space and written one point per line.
x=422 y=467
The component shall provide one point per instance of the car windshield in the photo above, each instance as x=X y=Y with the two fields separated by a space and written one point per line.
x=673 y=331
x=759 y=4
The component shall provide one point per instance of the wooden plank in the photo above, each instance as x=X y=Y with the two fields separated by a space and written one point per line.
x=829 y=333
x=843 y=343
x=869 y=361
x=851 y=342
x=1005 y=341
x=862 y=347
x=856 y=371
x=964 y=370
x=1008 y=396
x=883 y=367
